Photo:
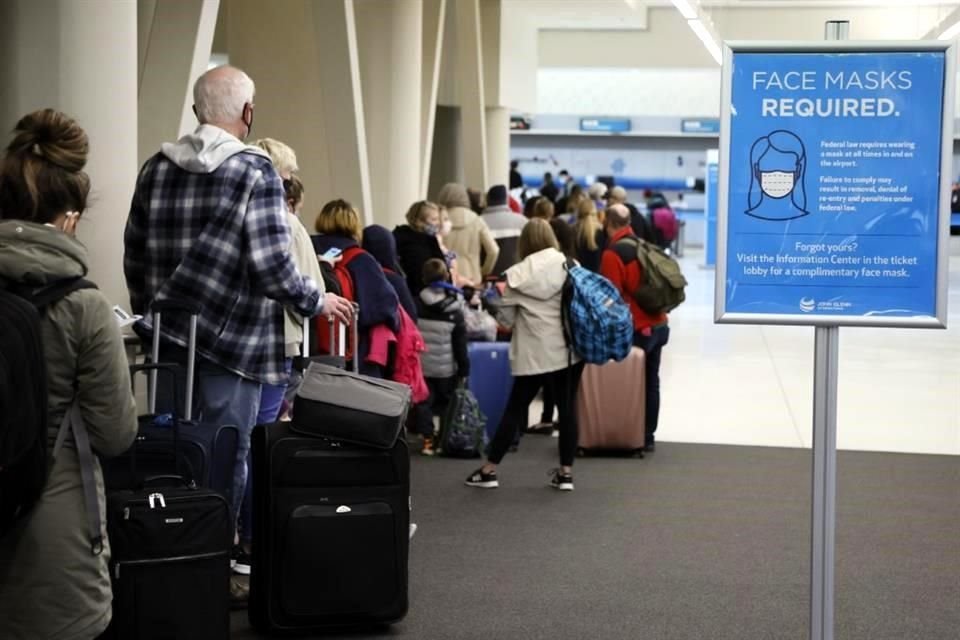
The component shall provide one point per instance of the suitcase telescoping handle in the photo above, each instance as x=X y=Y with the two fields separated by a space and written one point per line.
x=338 y=337
x=159 y=307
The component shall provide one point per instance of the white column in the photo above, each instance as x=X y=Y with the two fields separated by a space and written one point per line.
x=470 y=83
x=389 y=33
x=434 y=20
x=178 y=36
x=498 y=145
x=98 y=86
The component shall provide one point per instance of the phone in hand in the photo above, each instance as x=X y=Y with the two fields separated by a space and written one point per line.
x=331 y=254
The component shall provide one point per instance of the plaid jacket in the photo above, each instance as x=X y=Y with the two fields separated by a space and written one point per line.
x=220 y=239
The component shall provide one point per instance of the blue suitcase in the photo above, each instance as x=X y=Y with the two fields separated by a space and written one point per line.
x=490 y=380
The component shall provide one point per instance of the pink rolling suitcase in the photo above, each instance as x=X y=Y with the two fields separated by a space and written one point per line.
x=611 y=406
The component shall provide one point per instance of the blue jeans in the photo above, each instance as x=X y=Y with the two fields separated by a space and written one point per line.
x=221 y=397
x=652 y=346
x=271 y=399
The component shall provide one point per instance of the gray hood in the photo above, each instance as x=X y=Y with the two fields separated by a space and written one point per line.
x=436 y=296
x=540 y=276
x=204 y=150
x=36 y=254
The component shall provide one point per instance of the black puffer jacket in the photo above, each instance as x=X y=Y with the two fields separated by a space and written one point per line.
x=414 y=248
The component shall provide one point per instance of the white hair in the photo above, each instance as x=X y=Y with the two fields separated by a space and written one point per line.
x=597 y=190
x=618 y=194
x=219 y=95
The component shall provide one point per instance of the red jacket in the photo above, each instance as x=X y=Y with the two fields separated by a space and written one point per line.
x=627 y=278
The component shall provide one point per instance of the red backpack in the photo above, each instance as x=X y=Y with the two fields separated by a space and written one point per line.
x=344 y=281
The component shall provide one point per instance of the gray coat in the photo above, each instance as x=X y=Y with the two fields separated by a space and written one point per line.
x=444 y=332
x=51 y=585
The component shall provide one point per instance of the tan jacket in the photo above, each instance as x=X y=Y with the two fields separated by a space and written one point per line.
x=51 y=585
x=301 y=247
x=531 y=306
x=470 y=234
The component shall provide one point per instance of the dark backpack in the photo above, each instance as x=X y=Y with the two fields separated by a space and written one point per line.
x=462 y=427
x=662 y=287
x=23 y=395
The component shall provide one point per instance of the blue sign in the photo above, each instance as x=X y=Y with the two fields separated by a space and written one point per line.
x=703 y=125
x=833 y=184
x=616 y=125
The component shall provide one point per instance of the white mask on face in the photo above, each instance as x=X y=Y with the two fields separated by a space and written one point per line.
x=446 y=227
x=777 y=184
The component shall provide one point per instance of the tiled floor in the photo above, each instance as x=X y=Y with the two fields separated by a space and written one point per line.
x=899 y=389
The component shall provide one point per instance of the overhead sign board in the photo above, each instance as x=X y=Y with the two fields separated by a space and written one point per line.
x=614 y=125
x=835 y=166
x=701 y=125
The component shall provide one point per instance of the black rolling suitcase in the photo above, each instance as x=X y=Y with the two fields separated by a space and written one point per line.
x=331 y=527
x=331 y=532
x=206 y=453
x=170 y=556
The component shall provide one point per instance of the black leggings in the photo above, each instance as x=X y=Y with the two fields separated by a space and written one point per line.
x=515 y=416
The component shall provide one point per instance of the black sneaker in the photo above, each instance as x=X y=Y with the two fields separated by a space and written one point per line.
x=541 y=429
x=561 y=481
x=482 y=480
x=650 y=446
x=240 y=561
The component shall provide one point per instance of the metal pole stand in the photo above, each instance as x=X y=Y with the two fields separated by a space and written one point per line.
x=824 y=516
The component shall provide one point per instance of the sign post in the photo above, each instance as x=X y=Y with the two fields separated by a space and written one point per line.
x=834 y=211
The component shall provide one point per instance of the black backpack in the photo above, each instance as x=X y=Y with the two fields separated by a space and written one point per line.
x=23 y=395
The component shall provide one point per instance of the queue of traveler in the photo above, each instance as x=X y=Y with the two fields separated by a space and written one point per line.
x=216 y=221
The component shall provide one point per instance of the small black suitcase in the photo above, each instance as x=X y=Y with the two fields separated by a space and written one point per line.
x=170 y=563
x=331 y=532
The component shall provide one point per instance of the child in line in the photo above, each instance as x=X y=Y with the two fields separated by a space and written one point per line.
x=445 y=362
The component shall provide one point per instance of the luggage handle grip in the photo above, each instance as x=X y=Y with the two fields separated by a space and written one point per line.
x=336 y=326
x=193 y=308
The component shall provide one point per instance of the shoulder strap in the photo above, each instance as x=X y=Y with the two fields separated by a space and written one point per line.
x=43 y=297
x=626 y=249
x=73 y=421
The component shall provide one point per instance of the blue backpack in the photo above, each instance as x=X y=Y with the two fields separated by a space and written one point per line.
x=597 y=323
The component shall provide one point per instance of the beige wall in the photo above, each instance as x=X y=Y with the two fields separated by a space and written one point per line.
x=81 y=58
x=307 y=91
x=669 y=42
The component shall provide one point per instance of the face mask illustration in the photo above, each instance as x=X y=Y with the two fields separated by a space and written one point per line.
x=777 y=184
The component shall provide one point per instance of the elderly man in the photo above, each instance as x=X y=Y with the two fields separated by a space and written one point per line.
x=619 y=264
x=207 y=224
x=638 y=221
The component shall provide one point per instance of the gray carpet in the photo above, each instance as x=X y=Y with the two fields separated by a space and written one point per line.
x=693 y=542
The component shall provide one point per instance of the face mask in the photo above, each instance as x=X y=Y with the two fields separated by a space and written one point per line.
x=430 y=229
x=446 y=228
x=777 y=184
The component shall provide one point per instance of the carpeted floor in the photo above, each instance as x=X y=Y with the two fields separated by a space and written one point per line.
x=693 y=542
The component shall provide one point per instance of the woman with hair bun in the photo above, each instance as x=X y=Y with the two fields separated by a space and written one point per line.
x=54 y=581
